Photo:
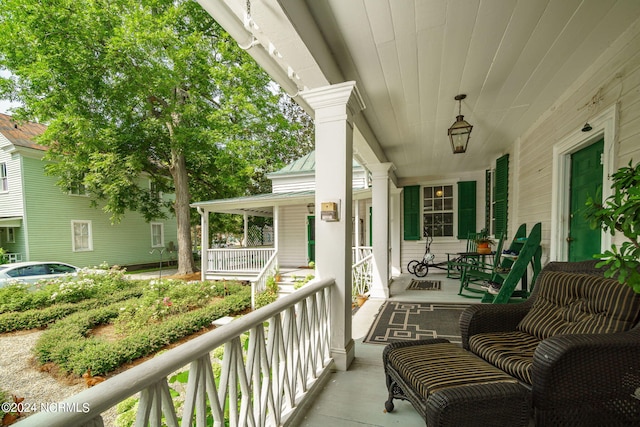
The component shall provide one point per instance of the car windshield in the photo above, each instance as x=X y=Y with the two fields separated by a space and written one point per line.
x=60 y=268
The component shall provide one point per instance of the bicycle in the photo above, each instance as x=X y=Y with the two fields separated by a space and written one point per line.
x=421 y=267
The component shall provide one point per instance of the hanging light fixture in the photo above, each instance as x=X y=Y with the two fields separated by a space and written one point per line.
x=460 y=130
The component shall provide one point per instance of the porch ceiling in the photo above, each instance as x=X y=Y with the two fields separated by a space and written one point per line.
x=514 y=60
x=263 y=204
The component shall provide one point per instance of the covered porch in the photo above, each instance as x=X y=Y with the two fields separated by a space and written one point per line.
x=380 y=78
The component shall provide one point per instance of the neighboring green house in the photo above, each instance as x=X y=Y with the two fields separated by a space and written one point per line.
x=40 y=222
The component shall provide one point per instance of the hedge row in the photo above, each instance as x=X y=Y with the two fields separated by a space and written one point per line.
x=39 y=318
x=66 y=343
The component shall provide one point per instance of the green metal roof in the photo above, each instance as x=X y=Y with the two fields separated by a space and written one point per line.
x=305 y=164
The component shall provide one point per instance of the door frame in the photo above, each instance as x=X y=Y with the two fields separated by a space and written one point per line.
x=604 y=127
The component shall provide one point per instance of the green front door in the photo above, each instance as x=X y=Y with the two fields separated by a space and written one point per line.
x=586 y=181
x=311 y=238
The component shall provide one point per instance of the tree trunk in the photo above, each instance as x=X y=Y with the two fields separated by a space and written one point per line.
x=183 y=213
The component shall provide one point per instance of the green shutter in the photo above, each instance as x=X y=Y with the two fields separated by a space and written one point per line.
x=466 y=208
x=501 y=195
x=412 y=212
x=487 y=200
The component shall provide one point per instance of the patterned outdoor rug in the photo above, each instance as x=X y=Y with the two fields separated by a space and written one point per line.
x=424 y=285
x=406 y=321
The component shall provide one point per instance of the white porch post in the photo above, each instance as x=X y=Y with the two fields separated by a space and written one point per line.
x=335 y=107
x=246 y=230
x=395 y=231
x=204 y=242
x=380 y=229
x=356 y=232
x=276 y=228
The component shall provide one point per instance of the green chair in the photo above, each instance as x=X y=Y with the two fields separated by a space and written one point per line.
x=456 y=260
x=530 y=253
x=476 y=271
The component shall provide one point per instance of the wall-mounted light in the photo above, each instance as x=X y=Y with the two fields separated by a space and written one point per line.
x=311 y=208
x=587 y=127
x=460 y=130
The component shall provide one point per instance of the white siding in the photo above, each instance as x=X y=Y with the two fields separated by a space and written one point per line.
x=612 y=79
x=11 y=202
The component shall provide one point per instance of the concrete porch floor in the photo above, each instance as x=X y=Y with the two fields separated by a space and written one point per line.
x=356 y=397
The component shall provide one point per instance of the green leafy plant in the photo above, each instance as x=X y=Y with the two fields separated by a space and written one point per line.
x=620 y=212
x=3 y=257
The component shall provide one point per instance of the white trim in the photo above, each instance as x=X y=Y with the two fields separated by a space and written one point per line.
x=604 y=126
x=89 y=237
x=153 y=243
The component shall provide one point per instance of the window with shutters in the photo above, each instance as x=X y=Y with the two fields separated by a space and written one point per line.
x=444 y=210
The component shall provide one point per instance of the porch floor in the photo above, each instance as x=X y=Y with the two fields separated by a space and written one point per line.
x=356 y=397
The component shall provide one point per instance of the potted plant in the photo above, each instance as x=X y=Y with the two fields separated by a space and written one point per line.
x=483 y=245
x=276 y=274
x=620 y=212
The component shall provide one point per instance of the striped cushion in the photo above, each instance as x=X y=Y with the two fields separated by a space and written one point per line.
x=509 y=351
x=569 y=303
x=432 y=367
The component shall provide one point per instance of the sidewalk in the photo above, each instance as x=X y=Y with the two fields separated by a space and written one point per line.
x=156 y=274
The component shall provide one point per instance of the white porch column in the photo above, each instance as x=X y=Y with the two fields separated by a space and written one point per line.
x=204 y=242
x=380 y=229
x=356 y=232
x=334 y=107
x=395 y=228
x=246 y=230
x=276 y=228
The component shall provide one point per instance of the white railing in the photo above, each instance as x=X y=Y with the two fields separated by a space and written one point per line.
x=261 y=386
x=259 y=284
x=362 y=276
x=360 y=253
x=13 y=257
x=240 y=260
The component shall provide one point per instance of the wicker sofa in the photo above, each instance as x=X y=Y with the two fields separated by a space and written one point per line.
x=574 y=346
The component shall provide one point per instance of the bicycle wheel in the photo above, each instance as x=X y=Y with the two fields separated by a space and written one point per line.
x=411 y=267
x=421 y=269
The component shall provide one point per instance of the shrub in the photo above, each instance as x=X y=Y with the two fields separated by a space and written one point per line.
x=20 y=297
x=39 y=318
x=67 y=344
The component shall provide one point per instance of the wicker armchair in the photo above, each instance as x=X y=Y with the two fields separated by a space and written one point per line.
x=580 y=379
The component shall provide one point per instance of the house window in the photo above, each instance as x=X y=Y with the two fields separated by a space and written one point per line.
x=78 y=189
x=157 y=235
x=438 y=211
x=4 y=179
x=154 y=191
x=82 y=237
x=11 y=235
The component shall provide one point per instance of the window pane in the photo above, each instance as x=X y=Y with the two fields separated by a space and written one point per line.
x=448 y=204
x=438 y=211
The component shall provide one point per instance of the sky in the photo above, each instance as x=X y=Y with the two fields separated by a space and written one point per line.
x=5 y=105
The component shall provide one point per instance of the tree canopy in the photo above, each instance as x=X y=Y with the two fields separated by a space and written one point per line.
x=152 y=88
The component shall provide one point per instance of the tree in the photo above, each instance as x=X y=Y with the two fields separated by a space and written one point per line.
x=142 y=87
